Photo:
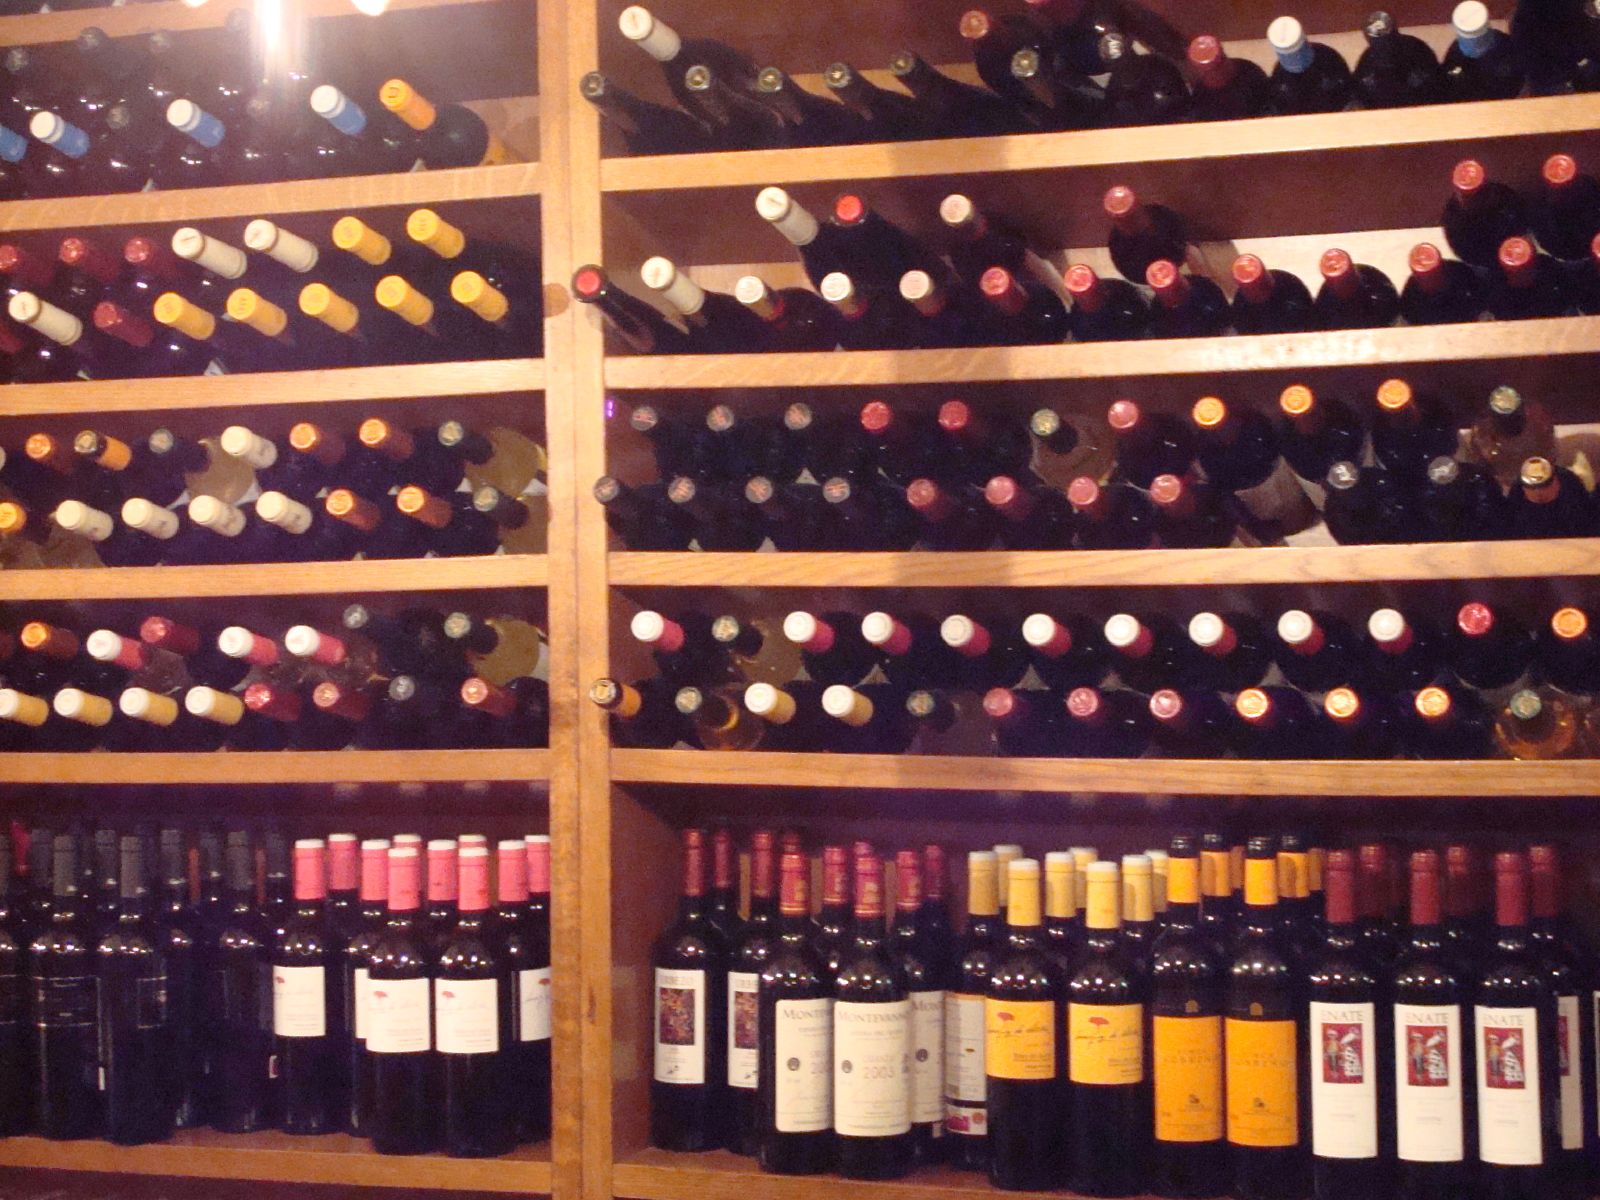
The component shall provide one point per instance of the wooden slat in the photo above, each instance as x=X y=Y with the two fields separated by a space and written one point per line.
x=291 y=196
x=484 y=377
x=131 y=19
x=1189 y=777
x=1117 y=568
x=279 y=1158
x=278 y=579
x=278 y=766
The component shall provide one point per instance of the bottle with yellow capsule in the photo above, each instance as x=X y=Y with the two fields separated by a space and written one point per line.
x=132 y=466
x=498 y=283
x=382 y=531
x=286 y=349
x=448 y=135
x=380 y=254
x=228 y=347
x=370 y=335
x=496 y=455
x=443 y=331
x=61 y=474
x=412 y=456
x=330 y=459
x=159 y=350
x=499 y=648
x=451 y=526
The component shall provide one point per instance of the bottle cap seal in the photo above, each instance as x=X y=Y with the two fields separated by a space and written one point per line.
x=405 y=102
x=399 y=297
x=248 y=308
x=355 y=236
x=473 y=291
x=189 y=319
x=431 y=230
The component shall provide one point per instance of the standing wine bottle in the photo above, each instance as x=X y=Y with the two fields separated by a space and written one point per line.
x=522 y=922
x=925 y=984
x=1265 y=1023
x=688 y=1092
x=794 y=1018
x=750 y=947
x=1559 y=960
x=1435 y=1099
x=307 y=1006
x=1350 y=1098
x=357 y=955
x=176 y=934
x=1108 y=1109
x=1517 y=1048
x=238 y=1004
x=1025 y=1046
x=16 y=1072
x=1188 y=1157
x=406 y=1090
x=62 y=979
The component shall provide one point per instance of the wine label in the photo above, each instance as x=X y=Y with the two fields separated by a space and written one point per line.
x=358 y=997
x=1186 y=1057
x=1428 y=1084
x=803 y=1058
x=965 y=1079
x=1278 y=498
x=1344 y=1082
x=399 y=1017
x=680 y=1020
x=1262 y=1091
x=533 y=1005
x=927 y=1059
x=1509 y=1133
x=1019 y=1039
x=466 y=1016
x=1567 y=1026
x=743 y=1040
x=871 y=1068
x=1105 y=1043
x=299 y=1002
x=70 y=1002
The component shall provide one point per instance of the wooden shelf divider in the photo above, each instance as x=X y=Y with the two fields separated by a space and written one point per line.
x=128 y=20
x=719 y=1175
x=273 y=767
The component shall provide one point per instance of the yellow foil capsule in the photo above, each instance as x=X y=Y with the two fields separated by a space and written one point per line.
x=366 y=243
x=433 y=231
x=326 y=305
x=399 y=297
x=481 y=296
x=173 y=310
x=249 y=308
x=405 y=102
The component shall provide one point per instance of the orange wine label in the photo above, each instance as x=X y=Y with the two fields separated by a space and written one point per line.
x=1105 y=1043
x=1263 y=1099
x=1186 y=1053
x=1019 y=1038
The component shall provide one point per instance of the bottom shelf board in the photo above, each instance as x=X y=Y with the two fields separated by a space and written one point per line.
x=279 y=766
x=720 y=1175
x=280 y=1158
x=1130 y=776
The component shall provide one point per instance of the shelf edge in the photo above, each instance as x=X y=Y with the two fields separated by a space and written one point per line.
x=273 y=767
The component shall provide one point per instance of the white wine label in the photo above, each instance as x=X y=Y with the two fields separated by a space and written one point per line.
x=871 y=1068
x=358 y=992
x=927 y=1059
x=466 y=1016
x=1567 y=1026
x=1428 y=1083
x=964 y=1076
x=66 y=1002
x=1344 y=1083
x=803 y=1065
x=743 y=1043
x=399 y=1017
x=533 y=1005
x=299 y=1002
x=680 y=1020
x=1509 y=1132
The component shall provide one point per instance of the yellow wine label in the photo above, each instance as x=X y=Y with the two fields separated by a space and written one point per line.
x=1019 y=1038
x=1186 y=1058
x=1263 y=1093
x=1105 y=1043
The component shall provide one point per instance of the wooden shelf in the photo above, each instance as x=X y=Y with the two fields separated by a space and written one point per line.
x=131 y=19
x=1171 y=776
x=277 y=767
x=720 y=1175
x=358 y=192
x=279 y=1158
x=278 y=579
x=1374 y=349
x=483 y=377
x=1115 y=568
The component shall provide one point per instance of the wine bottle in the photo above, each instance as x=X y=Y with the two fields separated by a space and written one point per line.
x=1142 y=233
x=1142 y=89
x=1440 y=291
x=1448 y=723
x=448 y=135
x=987 y=656
x=307 y=1005
x=1026 y=313
x=1481 y=214
x=1033 y=517
x=1568 y=652
x=1354 y=295
x=982 y=242
x=717 y=323
x=912 y=652
x=1559 y=960
x=406 y=1088
x=823 y=247
x=1185 y=305
x=1482 y=63
x=1511 y=430
x=1238 y=450
x=1058 y=96
x=177 y=935
x=1065 y=653
x=646 y=128
x=353 y=970
x=1566 y=214
x=1551 y=502
x=242 y=1093
x=966 y=1109
x=63 y=980
x=795 y=319
x=993 y=41
x=882 y=115
x=1104 y=310
x=676 y=54
x=1145 y=652
x=1396 y=69
x=640 y=326
x=1538 y=723
x=1149 y=443
x=868 y=515
x=1409 y=429
x=925 y=987
x=1403 y=653
x=1188 y=1156
x=1269 y=301
x=1190 y=723
x=1530 y=284
x=1233 y=652
x=956 y=109
x=1315 y=432
x=1226 y=89
x=832 y=646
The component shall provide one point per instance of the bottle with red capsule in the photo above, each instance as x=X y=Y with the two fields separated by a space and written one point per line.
x=639 y=326
x=1396 y=69
x=1190 y=514
x=1027 y=724
x=1025 y=314
x=1482 y=63
x=1277 y=722
x=1149 y=443
x=953 y=517
x=906 y=445
x=1231 y=651
x=879 y=251
x=1104 y=309
x=305 y=726
x=795 y=319
x=1142 y=233
x=1488 y=648
x=1317 y=651
x=1110 y=516
x=1440 y=290
x=1032 y=516
x=1584 y=280
x=831 y=646
x=870 y=320
x=989 y=652
x=985 y=446
x=1358 y=724
x=912 y=653
x=1447 y=722
x=1190 y=723
x=202 y=661
x=1185 y=305
x=1106 y=723
x=89 y=273
x=1410 y=429
x=1530 y=284
x=1067 y=652
x=1566 y=211
x=1354 y=295
x=1550 y=501
x=1480 y=215
x=1146 y=652
x=870 y=515
x=1269 y=301
x=1406 y=653
x=1143 y=89
x=1226 y=89
x=948 y=317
